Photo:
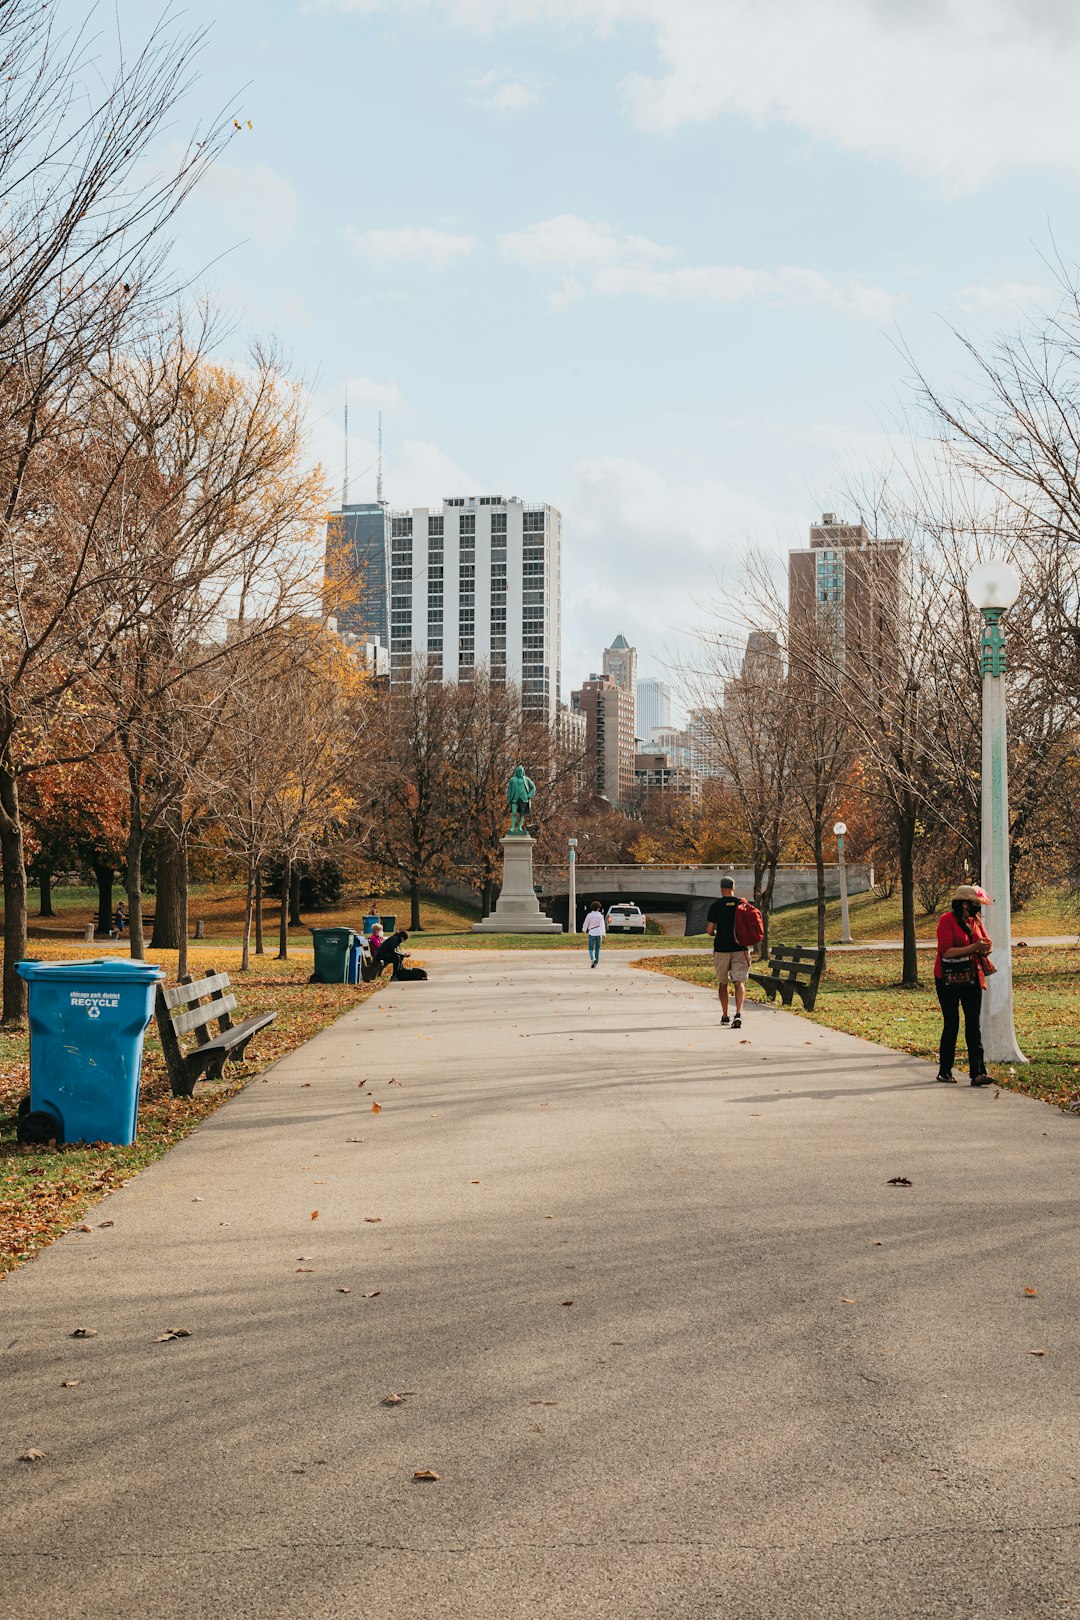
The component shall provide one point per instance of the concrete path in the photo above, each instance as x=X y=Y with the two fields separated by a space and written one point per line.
x=670 y=1340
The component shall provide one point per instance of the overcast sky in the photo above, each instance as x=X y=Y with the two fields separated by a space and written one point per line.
x=653 y=261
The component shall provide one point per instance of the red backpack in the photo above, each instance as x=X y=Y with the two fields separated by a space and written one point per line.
x=749 y=925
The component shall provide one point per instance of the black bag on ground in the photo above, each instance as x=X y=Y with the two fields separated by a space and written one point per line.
x=411 y=973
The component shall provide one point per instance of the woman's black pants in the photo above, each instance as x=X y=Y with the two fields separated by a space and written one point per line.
x=952 y=998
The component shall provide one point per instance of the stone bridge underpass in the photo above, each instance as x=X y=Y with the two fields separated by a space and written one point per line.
x=687 y=889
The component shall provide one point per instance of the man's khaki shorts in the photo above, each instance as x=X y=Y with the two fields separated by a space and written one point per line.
x=733 y=965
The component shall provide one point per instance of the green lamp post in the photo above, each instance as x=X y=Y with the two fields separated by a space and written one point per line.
x=993 y=587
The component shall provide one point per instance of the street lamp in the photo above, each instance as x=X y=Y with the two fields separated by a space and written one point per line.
x=845 y=927
x=992 y=587
x=572 y=907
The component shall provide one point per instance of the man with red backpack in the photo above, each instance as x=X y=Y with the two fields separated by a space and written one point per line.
x=736 y=926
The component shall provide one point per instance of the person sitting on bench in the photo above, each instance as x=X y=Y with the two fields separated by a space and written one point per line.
x=389 y=952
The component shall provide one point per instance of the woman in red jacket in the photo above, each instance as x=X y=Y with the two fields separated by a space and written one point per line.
x=960 y=968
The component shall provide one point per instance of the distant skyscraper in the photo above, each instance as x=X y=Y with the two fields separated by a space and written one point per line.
x=620 y=662
x=653 y=707
x=358 y=569
x=847 y=584
x=609 y=718
x=478 y=583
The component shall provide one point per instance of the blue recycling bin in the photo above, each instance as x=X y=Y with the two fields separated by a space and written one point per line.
x=356 y=956
x=87 y=1021
x=370 y=922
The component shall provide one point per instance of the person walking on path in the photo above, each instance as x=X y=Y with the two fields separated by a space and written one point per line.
x=960 y=969
x=595 y=927
x=734 y=925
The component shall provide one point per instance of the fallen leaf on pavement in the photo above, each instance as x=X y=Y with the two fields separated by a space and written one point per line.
x=875 y=1243
x=85 y=1227
x=476 y=1183
x=566 y=1302
x=376 y=1108
x=344 y=1290
x=374 y=1294
x=85 y=1333
x=354 y=1139
x=899 y=1181
x=746 y=1043
x=73 y=1383
x=1036 y=1352
x=314 y=1214
x=393 y=1400
x=31 y=1456
x=1031 y=1293
x=847 y=1302
x=373 y=1220
x=306 y=1086
x=173 y=1333
x=305 y=1268
x=106 y=1223
x=426 y=1473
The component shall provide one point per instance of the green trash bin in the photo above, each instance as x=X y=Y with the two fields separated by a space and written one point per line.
x=389 y=925
x=332 y=946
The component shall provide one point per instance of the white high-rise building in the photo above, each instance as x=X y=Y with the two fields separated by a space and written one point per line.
x=653 y=707
x=477 y=583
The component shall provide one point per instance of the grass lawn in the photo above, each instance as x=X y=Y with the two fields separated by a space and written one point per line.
x=860 y=994
x=220 y=907
x=43 y=1193
x=1050 y=911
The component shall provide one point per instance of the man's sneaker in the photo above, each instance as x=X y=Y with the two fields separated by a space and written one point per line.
x=725 y=1019
x=736 y=1022
x=982 y=1079
x=947 y=1078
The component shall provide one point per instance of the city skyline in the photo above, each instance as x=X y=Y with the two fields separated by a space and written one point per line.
x=689 y=327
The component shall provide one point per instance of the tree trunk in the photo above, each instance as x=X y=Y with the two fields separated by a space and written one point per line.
x=283 y=926
x=414 y=908
x=133 y=883
x=819 y=868
x=166 y=935
x=295 y=919
x=11 y=850
x=105 y=877
x=906 y=830
x=249 y=907
x=182 y=897
x=260 y=948
x=44 y=877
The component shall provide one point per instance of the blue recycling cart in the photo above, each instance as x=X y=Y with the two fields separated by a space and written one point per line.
x=87 y=1022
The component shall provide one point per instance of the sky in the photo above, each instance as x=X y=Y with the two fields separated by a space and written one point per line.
x=665 y=264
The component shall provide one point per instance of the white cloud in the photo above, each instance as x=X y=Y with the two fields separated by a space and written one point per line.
x=236 y=203
x=961 y=90
x=566 y=242
x=409 y=244
x=1004 y=295
x=504 y=94
x=365 y=394
x=620 y=266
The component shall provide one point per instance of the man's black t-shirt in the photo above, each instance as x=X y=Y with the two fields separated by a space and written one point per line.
x=722 y=913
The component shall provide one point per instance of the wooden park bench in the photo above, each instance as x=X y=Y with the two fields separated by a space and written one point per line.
x=792 y=968
x=181 y=1010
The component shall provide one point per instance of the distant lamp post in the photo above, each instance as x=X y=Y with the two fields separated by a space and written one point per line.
x=993 y=587
x=572 y=907
x=845 y=926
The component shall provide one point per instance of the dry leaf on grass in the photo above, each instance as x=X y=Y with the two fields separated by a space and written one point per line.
x=173 y=1333
x=899 y=1181
x=566 y=1302
x=847 y=1301
x=373 y=1294
x=85 y=1333
x=33 y=1455
x=1036 y=1352
x=393 y=1400
x=71 y=1383
x=426 y=1473
x=344 y=1290
x=1031 y=1293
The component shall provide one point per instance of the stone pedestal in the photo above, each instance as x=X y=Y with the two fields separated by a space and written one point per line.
x=517 y=910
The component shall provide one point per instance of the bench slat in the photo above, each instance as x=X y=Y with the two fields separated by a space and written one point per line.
x=199 y=1017
x=239 y=1032
x=182 y=995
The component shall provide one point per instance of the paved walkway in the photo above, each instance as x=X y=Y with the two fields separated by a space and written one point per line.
x=672 y=1342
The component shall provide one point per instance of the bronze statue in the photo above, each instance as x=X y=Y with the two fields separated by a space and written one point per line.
x=519 y=796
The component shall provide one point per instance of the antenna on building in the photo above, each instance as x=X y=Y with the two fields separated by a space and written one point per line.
x=345 y=476
x=378 y=481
